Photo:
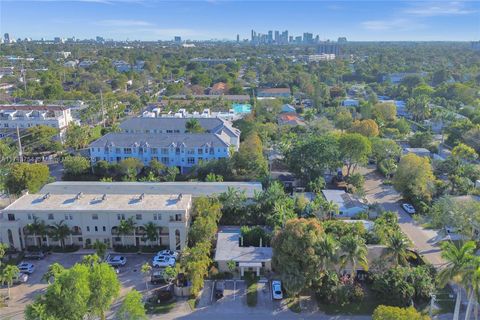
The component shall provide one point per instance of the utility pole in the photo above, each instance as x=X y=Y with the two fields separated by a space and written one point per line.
x=103 y=110
x=20 y=154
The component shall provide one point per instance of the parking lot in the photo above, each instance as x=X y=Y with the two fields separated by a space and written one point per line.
x=234 y=298
x=130 y=277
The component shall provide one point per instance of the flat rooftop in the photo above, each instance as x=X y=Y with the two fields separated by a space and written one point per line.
x=196 y=189
x=228 y=248
x=100 y=202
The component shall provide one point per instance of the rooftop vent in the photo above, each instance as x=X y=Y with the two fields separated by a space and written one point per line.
x=142 y=196
x=46 y=196
x=104 y=197
x=79 y=195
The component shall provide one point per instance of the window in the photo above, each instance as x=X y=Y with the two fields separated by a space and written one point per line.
x=88 y=229
x=120 y=216
x=106 y=150
x=164 y=150
x=177 y=150
x=96 y=229
x=118 y=150
x=190 y=151
x=169 y=131
x=104 y=228
x=94 y=216
x=191 y=160
x=200 y=151
x=157 y=216
x=212 y=150
x=138 y=217
x=165 y=160
x=178 y=217
x=50 y=216
x=140 y=150
x=127 y=150
x=154 y=150
x=200 y=159
x=68 y=217
x=11 y=217
x=29 y=217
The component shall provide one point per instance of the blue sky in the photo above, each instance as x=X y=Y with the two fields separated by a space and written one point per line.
x=199 y=20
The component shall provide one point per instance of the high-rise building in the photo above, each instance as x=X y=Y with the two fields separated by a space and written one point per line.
x=307 y=37
x=328 y=48
x=342 y=39
x=177 y=39
x=238 y=38
x=6 y=38
x=270 y=36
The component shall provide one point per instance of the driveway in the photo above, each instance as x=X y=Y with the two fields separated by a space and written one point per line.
x=423 y=240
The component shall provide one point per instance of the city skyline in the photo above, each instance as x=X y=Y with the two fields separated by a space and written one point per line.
x=223 y=20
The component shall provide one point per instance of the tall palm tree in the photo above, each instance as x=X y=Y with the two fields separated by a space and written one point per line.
x=327 y=249
x=471 y=281
x=330 y=208
x=459 y=260
x=354 y=252
x=126 y=227
x=60 y=231
x=8 y=274
x=151 y=230
x=37 y=228
x=397 y=248
x=193 y=126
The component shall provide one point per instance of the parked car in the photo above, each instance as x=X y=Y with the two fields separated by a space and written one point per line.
x=170 y=253
x=26 y=267
x=163 y=261
x=277 y=290
x=408 y=208
x=116 y=261
x=20 y=278
x=34 y=255
x=219 y=288
x=157 y=276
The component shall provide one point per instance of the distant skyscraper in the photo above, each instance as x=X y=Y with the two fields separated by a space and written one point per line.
x=290 y=39
x=177 y=39
x=6 y=38
x=342 y=40
x=329 y=48
x=99 y=39
x=307 y=37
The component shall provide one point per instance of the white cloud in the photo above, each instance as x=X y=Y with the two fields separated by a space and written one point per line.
x=399 y=24
x=439 y=8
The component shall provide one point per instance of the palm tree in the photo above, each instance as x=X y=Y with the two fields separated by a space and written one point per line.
x=330 y=208
x=193 y=126
x=146 y=268
x=9 y=273
x=100 y=249
x=327 y=249
x=472 y=283
x=126 y=227
x=53 y=271
x=151 y=231
x=459 y=260
x=397 y=249
x=354 y=252
x=60 y=231
x=37 y=228
x=419 y=107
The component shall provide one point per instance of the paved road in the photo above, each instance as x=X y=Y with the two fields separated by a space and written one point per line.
x=424 y=240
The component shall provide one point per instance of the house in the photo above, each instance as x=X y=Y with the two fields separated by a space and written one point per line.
x=70 y=64
x=6 y=71
x=274 y=93
x=121 y=66
x=290 y=119
x=350 y=103
x=86 y=63
x=195 y=189
x=167 y=140
x=219 y=88
x=288 y=108
x=421 y=152
x=27 y=116
x=229 y=248
x=94 y=216
x=348 y=204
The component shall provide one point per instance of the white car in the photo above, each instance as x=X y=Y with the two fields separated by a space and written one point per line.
x=116 y=261
x=408 y=208
x=170 y=253
x=20 y=278
x=277 y=290
x=163 y=261
x=26 y=267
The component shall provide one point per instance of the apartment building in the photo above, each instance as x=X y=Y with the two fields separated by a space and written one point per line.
x=26 y=116
x=94 y=216
x=167 y=140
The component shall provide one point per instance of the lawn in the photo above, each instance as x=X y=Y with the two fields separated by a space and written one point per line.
x=159 y=308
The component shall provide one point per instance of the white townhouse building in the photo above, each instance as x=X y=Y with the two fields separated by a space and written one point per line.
x=166 y=140
x=94 y=216
x=27 y=116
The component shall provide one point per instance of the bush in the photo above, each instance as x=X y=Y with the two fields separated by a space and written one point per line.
x=69 y=248
x=153 y=249
x=252 y=235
